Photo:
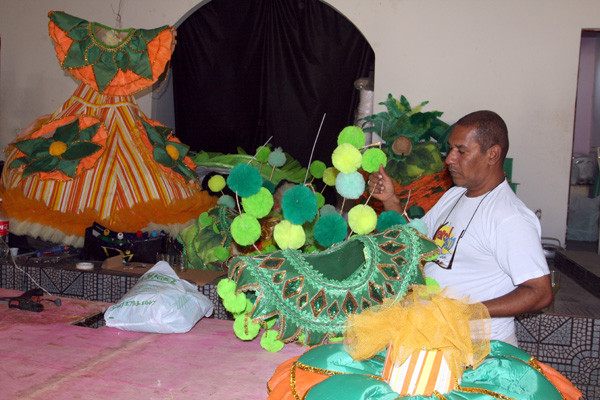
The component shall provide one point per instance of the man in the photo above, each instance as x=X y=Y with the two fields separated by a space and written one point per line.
x=489 y=240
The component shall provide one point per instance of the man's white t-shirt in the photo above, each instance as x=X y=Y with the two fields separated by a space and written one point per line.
x=500 y=247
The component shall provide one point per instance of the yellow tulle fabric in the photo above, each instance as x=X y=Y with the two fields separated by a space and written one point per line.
x=422 y=321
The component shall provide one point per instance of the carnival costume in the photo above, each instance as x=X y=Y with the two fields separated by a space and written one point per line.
x=313 y=294
x=437 y=348
x=98 y=158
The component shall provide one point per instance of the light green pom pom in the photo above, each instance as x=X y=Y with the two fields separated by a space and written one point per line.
x=320 y=200
x=288 y=235
x=346 y=158
x=277 y=157
x=317 y=168
x=327 y=209
x=372 y=159
x=235 y=303
x=245 y=229
x=216 y=183
x=418 y=225
x=362 y=219
x=225 y=287
x=269 y=341
x=205 y=220
x=244 y=328
x=221 y=253
x=259 y=204
x=271 y=322
x=336 y=339
x=350 y=186
x=226 y=201
x=329 y=176
x=262 y=153
x=353 y=135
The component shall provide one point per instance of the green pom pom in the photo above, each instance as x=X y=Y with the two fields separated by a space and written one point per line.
x=350 y=186
x=205 y=220
x=245 y=229
x=419 y=226
x=216 y=183
x=415 y=212
x=270 y=248
x=299 y=205
x=352 y=135
x=221 y=253
x=235 y=303
x=271 y=322
x=277 y=157
x=327 y=209
x=226 y=201
x=372 y=159
x=346 y=158
x=388 y=219
x=317 y=168
x=329 y=176
x=260 y=204
x=269 y=185
x=362 y=219
x=269 y=341
x=262 y=153
x=225 y=287
x=320 y=200
x=245 y=180
x=288 y=235
x=330 y=229
x=244 y=328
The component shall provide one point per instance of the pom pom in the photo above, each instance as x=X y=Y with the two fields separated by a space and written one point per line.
x=372 y=159
x=221 y=253
x=288 y=235
x=262 y=153
x=320 y=200
x=269 y=341
x=271 y=322
x=226 y=201
x=352 y=135
x=277 y=158
x=244 y=328
x=328 y=209
x=245 y=180
x=245 y=229
x=269 y=185
x=205 y=220
x=258 y=205
x=415 y=212
x=346 y=158
x=419 y=226
x=235 y=303
x=225 y=287
x=216 y=183
x=317 y=168
x=388 y=219
x=330 y=229
x=350 y=186
x=299 y=205
x=329 y=176
x=362 y=219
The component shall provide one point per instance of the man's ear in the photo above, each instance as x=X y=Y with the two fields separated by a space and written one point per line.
x=494 y=154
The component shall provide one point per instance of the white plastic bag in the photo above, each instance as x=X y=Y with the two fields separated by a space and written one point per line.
x=159 y=302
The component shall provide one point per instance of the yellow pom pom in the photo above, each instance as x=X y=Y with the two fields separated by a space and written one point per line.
x=362 y=219
x=216 y=183
x=329 y=176
x=57 y=148
x=346 y=158
x=288 y=235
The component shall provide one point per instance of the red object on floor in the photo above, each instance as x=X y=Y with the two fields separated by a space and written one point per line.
x=63 y=362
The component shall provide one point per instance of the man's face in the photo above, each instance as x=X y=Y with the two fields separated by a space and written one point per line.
x=468 y=166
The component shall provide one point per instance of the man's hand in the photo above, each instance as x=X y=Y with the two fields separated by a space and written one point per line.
x=381 y=186
x=530 y=296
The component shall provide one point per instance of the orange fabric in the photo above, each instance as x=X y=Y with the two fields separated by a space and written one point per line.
x=124 y=83
x=279 y=385
x=564 y=386
x=122 y=220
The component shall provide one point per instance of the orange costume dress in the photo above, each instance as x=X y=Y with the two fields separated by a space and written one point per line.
x=98 y=158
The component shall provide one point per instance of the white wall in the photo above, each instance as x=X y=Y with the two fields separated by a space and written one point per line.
x=518 y=58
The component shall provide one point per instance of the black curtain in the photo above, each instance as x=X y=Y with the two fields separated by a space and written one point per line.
x=247 y=70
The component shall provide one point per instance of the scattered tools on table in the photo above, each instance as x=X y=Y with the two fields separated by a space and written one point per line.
x=31 y=300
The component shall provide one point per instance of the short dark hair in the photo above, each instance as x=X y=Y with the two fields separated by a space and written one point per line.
x=490 y=129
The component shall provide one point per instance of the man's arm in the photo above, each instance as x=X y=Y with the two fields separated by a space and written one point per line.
x=529 y=296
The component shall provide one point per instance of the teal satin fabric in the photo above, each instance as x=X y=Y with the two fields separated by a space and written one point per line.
x=505 y=372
